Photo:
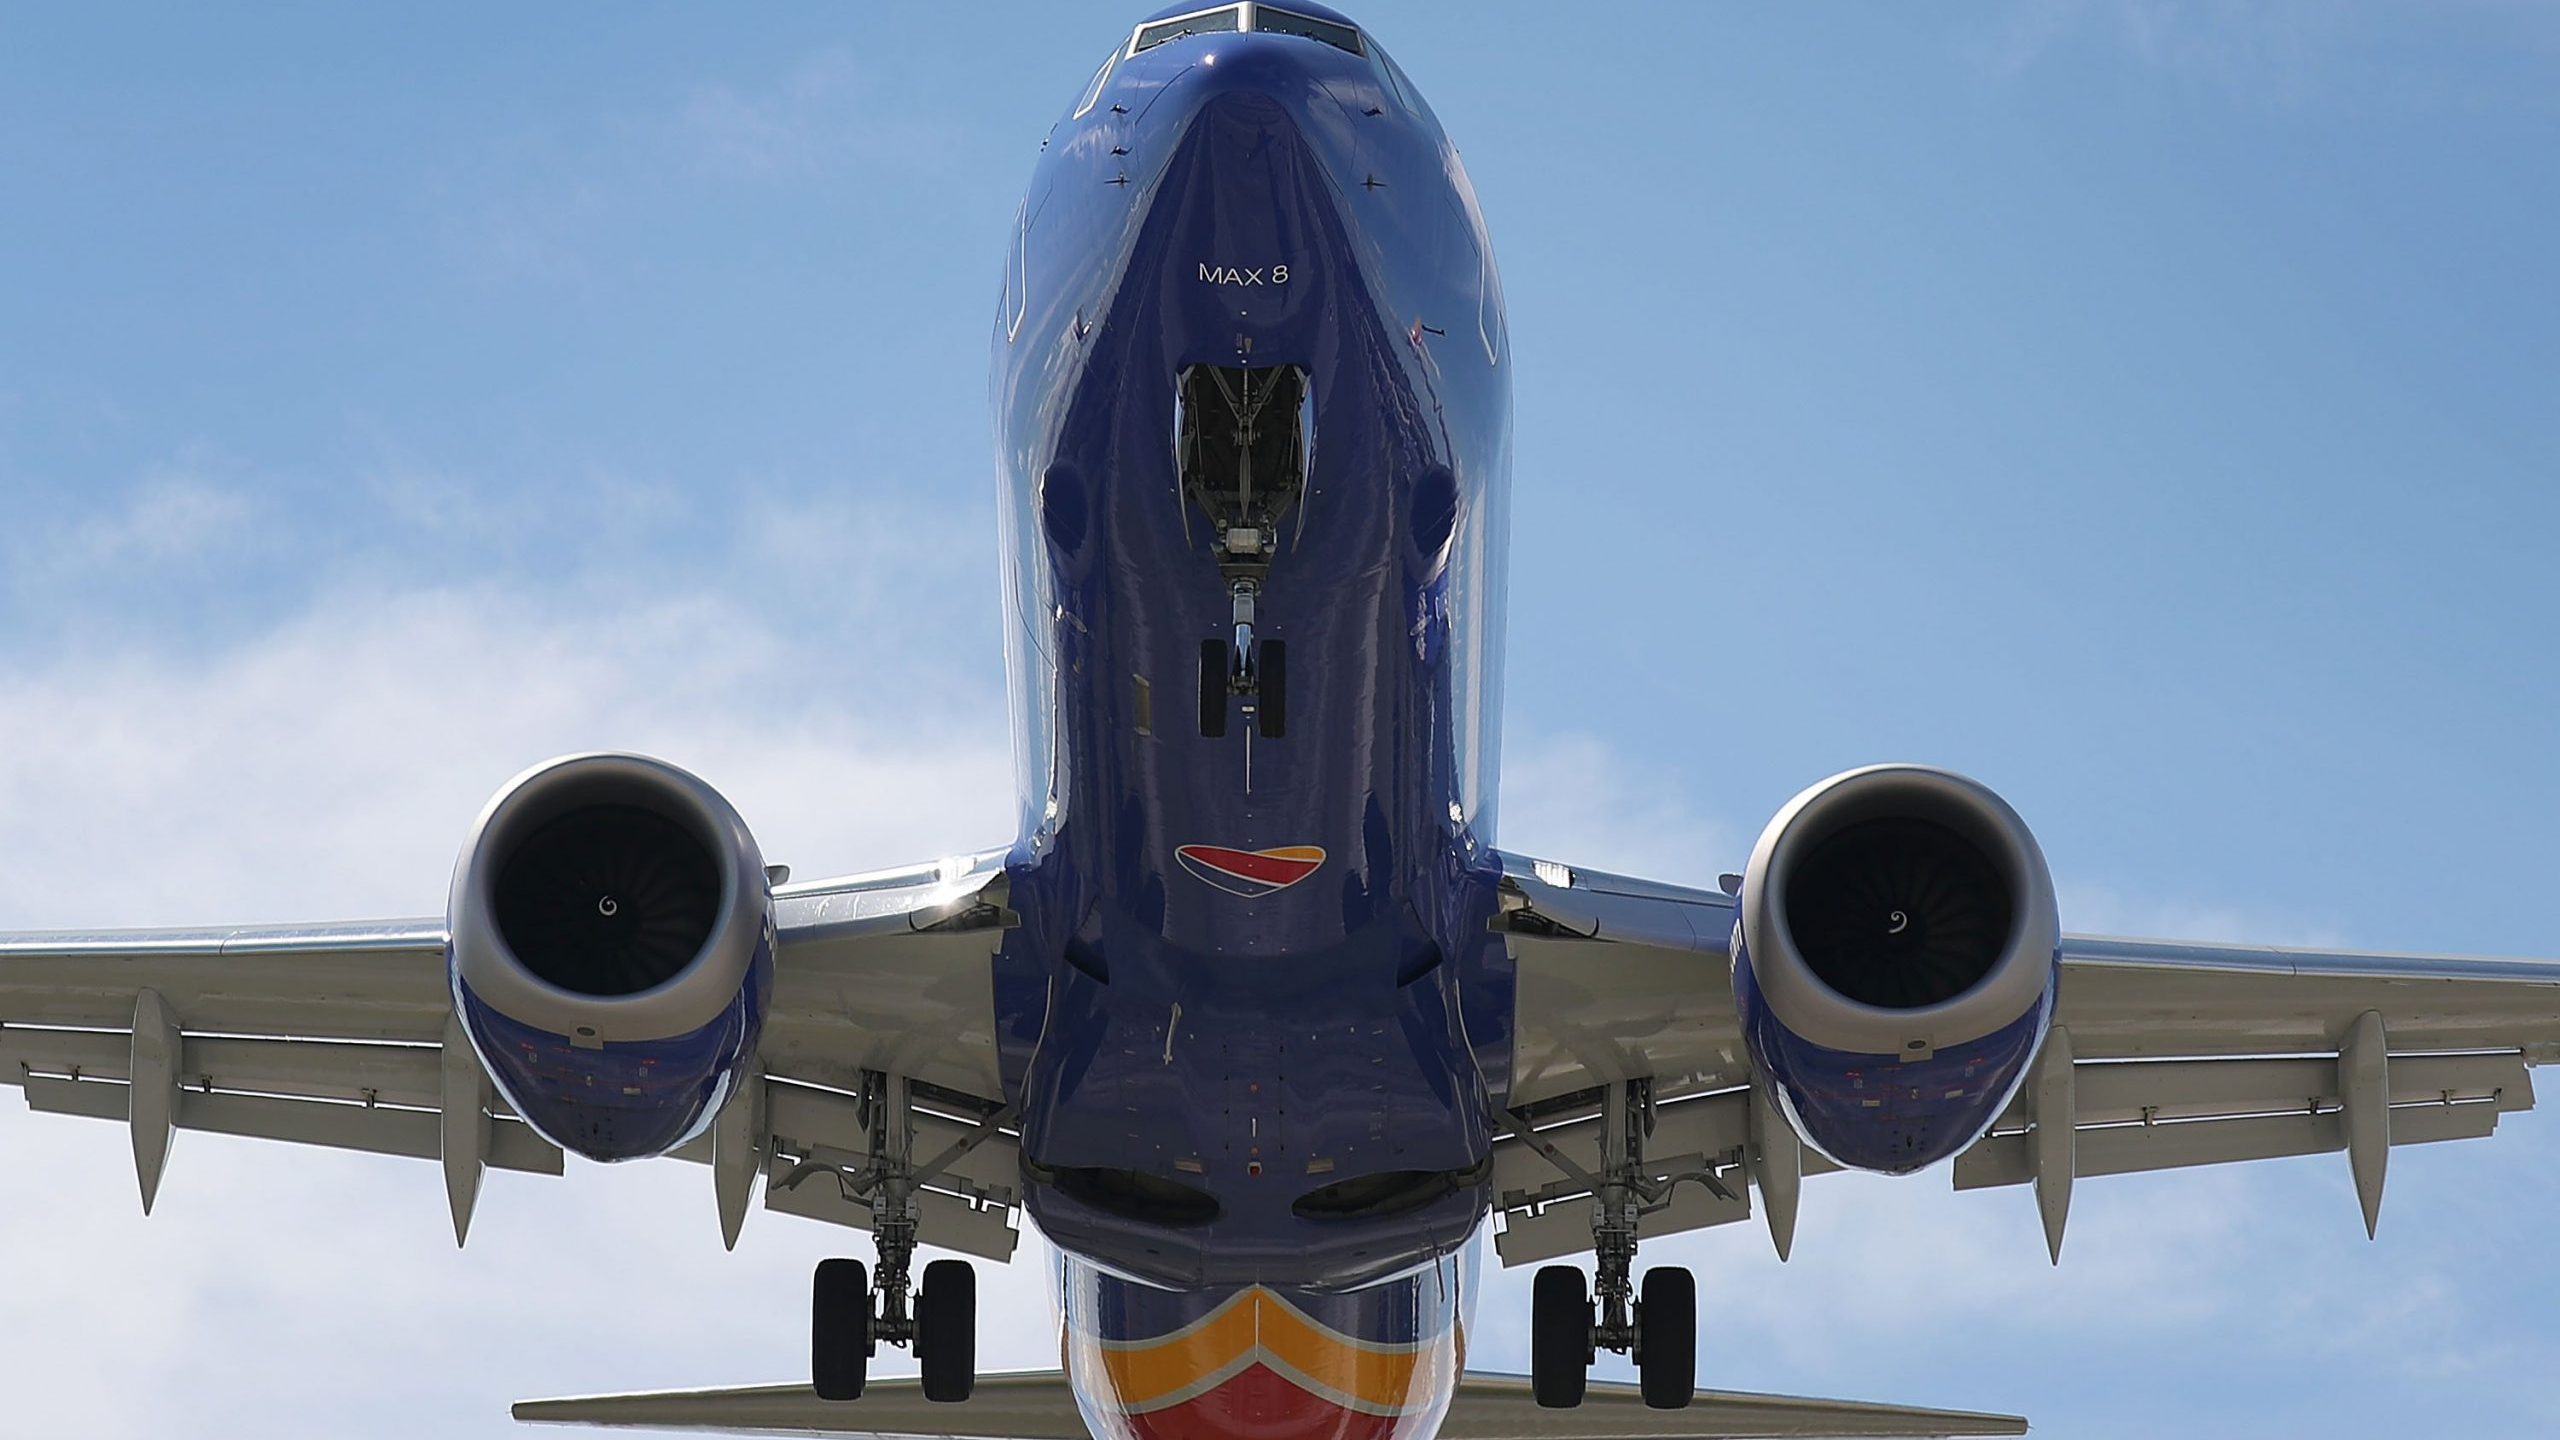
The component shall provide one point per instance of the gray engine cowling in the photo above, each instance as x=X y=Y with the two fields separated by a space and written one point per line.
x=612 y=951
x=1895 y=960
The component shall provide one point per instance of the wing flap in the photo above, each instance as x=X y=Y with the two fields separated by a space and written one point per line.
x=373 y=1129
x=1693 y=1151
x=359 y=1072
x=2150 y=1091
x=2132 y=1149
x=1528 y=1237
x=952 y=1222
x=2137 y=1115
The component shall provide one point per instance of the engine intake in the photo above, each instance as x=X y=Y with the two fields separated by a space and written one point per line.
x=1894 y=962
x=608 y=900
x=612 y=951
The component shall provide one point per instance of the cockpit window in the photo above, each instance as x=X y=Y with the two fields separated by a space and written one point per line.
x=1223 y=20
x=1283 y=22
x=1093 y=92
x=1229 y=19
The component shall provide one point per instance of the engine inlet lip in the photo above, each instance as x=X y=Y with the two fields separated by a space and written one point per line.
x=489 y=966
x=2010 y=986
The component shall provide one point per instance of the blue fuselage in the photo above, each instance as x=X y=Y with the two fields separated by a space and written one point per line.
x=1279 y=1072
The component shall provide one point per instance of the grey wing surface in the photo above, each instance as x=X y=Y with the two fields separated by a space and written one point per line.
x=1027 y=1405
x=344 y=1036
x=2164 y=1054
x=1038 y=1405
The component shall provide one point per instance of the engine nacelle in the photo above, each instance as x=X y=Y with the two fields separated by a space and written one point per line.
x=1894 y=962
x=612 y=951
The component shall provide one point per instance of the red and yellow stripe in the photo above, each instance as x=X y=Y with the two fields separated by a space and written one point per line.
x=1259 y=1367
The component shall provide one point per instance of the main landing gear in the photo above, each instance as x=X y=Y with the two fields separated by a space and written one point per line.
x=1659 y=1330
x=943 y=1330
x=850 y=1317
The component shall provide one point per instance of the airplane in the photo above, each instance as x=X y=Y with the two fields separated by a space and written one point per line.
x=1254 y=1019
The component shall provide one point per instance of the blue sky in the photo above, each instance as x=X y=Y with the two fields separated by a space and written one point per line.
x=2151 y=408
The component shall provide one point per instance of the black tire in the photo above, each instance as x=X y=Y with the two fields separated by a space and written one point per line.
x=1272 y=690
x=947 y=1330
x=1213 y=688
x=1559 y=1337
x=1667 y=1338
x=840 y=1329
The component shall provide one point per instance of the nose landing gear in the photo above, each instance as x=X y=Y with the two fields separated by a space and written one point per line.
x=1242 y=441
x=1244 y=664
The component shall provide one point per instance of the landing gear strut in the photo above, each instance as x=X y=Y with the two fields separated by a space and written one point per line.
x=853 y=1312
x=1660 y=1330
x=1242 y=441
x=1245 y=665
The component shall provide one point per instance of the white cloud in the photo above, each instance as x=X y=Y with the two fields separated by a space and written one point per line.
x=782 y=128
x=2260 y=52
x=178 y=513
x=823 y=112
x=2392 y=55
x=2091 y=909
x=533 y=203
x=1578 y=799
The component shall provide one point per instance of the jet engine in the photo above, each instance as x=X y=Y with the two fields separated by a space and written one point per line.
x=612 y=951
x=1894 y=962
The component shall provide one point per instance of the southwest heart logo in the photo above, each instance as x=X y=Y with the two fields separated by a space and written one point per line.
x=1251 y=873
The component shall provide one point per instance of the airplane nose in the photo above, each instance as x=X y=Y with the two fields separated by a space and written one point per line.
x=1249 y=196
x=1250 y=74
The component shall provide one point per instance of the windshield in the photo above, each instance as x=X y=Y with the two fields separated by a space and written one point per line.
x=1284 y=22
x=1225 y=19
x=1231 y=19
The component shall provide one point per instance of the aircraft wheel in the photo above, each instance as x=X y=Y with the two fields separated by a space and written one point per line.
x=1272 y=693
x=1559 y=1337
x=1667 y=1338
x=947 y=1330
x=839 y=1329
x=1213 y=688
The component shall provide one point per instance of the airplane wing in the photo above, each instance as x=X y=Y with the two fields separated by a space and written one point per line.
x=1037 y=1405
x=2163 y=1055
x=344 y=1036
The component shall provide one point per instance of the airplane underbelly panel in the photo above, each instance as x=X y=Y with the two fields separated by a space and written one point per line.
x=1253 y=1015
